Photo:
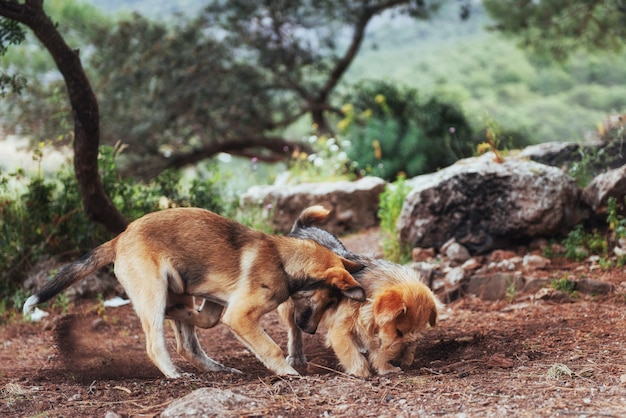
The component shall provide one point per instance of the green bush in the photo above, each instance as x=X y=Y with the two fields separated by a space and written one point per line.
x=390 y=207
x=580 y=244
x=392 y=132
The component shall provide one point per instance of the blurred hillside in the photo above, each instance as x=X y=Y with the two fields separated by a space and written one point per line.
x=486 y=74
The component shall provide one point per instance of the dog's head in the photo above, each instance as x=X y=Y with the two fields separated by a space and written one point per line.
x=400 y=313
x=313 y=300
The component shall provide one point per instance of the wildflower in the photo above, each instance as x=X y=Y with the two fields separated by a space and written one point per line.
x=377 y=151
x=483 y=147
x=343 y=124
x=164 y=202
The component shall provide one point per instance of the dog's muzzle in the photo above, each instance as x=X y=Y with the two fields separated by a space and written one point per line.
x=307 y=327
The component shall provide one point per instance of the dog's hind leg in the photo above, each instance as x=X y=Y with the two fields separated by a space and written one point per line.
x=295 y=346
x=148 y=293
x=188 y=346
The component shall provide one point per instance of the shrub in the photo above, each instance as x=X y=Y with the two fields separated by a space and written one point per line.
x=392 y=132
x=390 y=207
x=580 y=244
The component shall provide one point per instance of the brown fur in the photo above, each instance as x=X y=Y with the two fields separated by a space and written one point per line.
x=374 y=334
x=165 y=259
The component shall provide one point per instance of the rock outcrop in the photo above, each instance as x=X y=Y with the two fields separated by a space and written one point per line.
x=483 y=204
x=353 y=204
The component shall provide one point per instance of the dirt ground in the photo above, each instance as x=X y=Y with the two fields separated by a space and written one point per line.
x=526 y=358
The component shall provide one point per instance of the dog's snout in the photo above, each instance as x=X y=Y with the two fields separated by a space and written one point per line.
x=304 y=321
x=308 y=328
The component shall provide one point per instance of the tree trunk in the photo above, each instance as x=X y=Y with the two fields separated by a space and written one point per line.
x=96 y=202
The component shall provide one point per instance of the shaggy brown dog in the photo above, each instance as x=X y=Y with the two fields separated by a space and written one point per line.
x=381 y=332
x=166 y=258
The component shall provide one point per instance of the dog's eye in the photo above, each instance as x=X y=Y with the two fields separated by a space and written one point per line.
x=399 y=333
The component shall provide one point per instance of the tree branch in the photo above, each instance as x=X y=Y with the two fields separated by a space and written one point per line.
x=279 y=150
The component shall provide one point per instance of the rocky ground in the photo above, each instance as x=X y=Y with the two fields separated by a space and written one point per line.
x=523 y=357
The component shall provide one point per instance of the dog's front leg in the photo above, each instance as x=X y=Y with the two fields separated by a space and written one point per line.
x=244 y=322
x=408 y=355
x=347 y=351
x=295 y=346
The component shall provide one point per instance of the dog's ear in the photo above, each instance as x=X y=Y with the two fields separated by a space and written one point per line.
x=351 y=266
x=342 y=280
x=355 y=293
x=388 y=306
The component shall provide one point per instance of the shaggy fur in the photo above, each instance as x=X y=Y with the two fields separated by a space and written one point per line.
x=375 y=336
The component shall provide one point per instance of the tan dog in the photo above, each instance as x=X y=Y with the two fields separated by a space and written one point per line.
x=166 y=258
x=381 y=331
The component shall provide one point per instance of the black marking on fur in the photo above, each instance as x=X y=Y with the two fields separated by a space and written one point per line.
x=309 y=283
x=192 y=273
x=235 y=236
x=331 y=242
x=304 y=317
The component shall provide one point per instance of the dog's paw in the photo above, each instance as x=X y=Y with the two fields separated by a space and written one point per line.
x=297 y=361
x=289 y=371
x=360 y=371
x=388 y=369
x=233 y=371
x=192 y=377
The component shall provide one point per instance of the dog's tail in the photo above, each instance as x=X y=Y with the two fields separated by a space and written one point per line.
x=70 y=274
x=311 y=216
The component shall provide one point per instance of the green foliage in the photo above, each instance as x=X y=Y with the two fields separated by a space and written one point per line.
x=616 y=221
x=328 y=162
x=511 y=291
x=580 y=171
x=256 y=217
x=580 y=244
x=558 y=27
x=11 y=33
x=563 y=285
x=392 y=132
x=390 y=207
x=538 y=100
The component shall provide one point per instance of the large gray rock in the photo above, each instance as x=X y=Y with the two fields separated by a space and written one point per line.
x=588 y=158
x=606 y=185
x=484 y=205
x=353 y=204
x=556 y=154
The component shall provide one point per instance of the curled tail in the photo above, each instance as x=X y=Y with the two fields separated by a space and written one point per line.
x=72 y=273
x=311 y=216
x=304 y=228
